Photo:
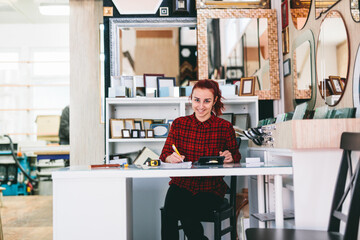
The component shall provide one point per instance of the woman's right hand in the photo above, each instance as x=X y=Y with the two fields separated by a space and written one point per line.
x=174 y=158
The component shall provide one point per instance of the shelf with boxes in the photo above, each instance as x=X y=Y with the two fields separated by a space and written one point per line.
x=160 y=112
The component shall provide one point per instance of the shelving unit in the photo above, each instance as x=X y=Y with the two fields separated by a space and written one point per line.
x=161 y=108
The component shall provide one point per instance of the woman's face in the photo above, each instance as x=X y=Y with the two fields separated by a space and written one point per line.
x=202 y=103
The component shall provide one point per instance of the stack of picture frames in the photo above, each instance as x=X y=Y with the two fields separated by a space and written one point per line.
x=334 y=86
x=139 y=128
x=149 y=85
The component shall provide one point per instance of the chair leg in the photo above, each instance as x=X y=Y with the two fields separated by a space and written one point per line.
x=217 y=228
x=233 y=227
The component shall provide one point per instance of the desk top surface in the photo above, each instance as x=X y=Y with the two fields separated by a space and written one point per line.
x=157 y=172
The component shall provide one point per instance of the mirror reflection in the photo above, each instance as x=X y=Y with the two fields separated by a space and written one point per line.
x=332 y=58
x=321 y=6
x=163 y=50
x=354 y=8
x=239 y=48
x=302 y=71
x=299 y=10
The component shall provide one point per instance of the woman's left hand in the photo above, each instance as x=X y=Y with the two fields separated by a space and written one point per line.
x=227 y=155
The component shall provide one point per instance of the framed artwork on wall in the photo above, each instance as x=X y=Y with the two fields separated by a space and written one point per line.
x=287 y=67
x=247 y=86
x=284 y=14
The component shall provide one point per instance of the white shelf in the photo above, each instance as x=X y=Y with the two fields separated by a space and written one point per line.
x=136 y=140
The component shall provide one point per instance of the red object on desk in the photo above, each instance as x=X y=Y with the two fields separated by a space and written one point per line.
x=106 y=166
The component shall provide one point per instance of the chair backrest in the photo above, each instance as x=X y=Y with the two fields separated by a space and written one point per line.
x=350 y=142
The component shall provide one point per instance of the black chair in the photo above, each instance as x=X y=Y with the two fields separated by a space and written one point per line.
x=226 y=211
x=349 y=142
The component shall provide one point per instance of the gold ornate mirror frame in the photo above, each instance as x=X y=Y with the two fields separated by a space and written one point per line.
x=270 y=14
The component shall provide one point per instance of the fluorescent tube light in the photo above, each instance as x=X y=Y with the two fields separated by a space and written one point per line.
x=54 y=9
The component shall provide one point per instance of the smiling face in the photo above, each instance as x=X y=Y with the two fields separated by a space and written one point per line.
x=202 y=103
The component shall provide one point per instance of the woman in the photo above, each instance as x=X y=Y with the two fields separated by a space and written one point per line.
x=196 y=135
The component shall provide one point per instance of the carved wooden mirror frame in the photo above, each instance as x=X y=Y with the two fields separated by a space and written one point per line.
x=270 y=14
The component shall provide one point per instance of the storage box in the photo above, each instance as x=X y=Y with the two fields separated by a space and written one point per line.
x=48 y=127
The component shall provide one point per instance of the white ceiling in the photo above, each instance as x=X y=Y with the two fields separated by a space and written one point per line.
x=27 y=11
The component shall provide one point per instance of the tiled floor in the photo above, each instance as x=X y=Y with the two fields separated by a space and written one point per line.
x=27 y=217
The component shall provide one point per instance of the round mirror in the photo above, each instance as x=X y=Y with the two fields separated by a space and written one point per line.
x=354 y=9
x=304 y=82
x=332 y=58
x=299 y=12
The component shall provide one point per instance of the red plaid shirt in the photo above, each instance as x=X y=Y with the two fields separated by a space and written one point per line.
x=194 y=139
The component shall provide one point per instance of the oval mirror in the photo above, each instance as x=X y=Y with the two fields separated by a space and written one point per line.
x=304 y=82
x=299 y=12
x=332 y=58
x=322 y=6
x=354 y=8
x=356 y=83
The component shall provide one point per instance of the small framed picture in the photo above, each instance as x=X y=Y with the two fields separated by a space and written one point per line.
x=149 y=133
x=285 y=40
x=228 y=117
x=287 y=67
x=129 y=124
x=165 y=82
x=181 y=6
x=147 y=123
x=284 y=14
x=142 y=134
x=336 y=85
x=160 y=130
x=135 y=133
x=150 y=80
x=116 y=125
x=138 y=124
x=140 y=86
x=125 y=133
x=247 y=86
x=242 y=120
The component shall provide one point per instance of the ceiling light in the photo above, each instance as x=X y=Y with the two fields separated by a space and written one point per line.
x=54 y=9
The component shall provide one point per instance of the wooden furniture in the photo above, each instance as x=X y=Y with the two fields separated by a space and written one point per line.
x=81 y=212
x=343 y=188
x=226 y=211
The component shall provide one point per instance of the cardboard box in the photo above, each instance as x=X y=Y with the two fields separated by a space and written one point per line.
x=48 y=127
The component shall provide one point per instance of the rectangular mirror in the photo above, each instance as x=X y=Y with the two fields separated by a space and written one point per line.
x=153 y=46
x=243 y=43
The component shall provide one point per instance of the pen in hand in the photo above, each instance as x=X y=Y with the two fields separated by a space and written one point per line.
x=175 y=150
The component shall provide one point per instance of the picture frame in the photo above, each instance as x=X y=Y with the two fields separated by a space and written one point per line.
x=237 y=84
x=125 y=133
x=129 y=83
x=336 y=85
x=160 y=130
x=284 y=14
x=149 y=133
x=181 y=6
x=150 y=80
x=247 y=86
x=116 y=126
x=147 y=123
x=135 y=133
x=228 y=117
x=138 y=124
x=287 y=67
x=129 y=123
x=242 y=120
x=142 y=134
x=163 y=82
x=139 y=86
x=285 y=40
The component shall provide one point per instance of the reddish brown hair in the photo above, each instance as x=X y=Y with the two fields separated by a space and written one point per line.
x=213 y=86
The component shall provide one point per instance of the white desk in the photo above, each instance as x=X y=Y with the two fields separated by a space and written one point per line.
x=96 y=204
